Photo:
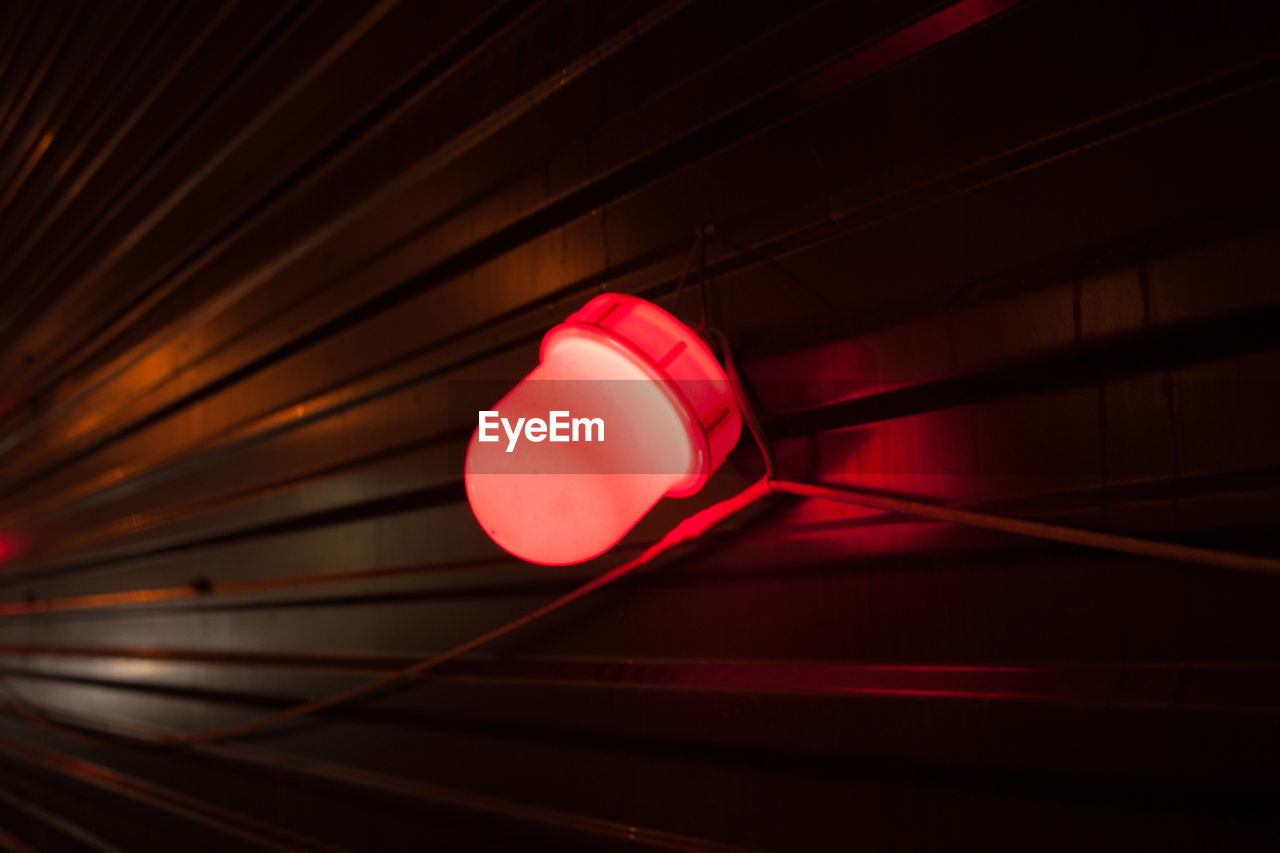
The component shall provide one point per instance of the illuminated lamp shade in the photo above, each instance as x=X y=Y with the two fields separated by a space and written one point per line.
x=669 y=419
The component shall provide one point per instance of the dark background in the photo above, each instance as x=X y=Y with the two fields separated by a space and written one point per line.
x=245 y=247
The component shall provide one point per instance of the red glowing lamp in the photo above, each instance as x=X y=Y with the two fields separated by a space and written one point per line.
x=626 y=406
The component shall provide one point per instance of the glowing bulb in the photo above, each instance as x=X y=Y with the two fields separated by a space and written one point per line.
x=626 y=406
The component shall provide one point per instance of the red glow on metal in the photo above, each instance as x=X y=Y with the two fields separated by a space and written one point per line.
x=925 y=33
x=669 y=420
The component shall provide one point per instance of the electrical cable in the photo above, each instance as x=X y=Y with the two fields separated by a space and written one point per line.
x=690 y=528
x=688 y=267
x=706 y=229
x=1040 y=530
x=745 y=404
x=1036 y=529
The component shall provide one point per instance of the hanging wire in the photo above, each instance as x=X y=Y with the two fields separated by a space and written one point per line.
x=955 y=515
x=1036 y=529
x=771 y=262
x=698 y=252
x=703 y=232
x=746 y=405
x=688 y=268
x=690 y=528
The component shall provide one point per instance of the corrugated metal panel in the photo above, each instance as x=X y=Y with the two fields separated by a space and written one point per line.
x=1019 y=256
